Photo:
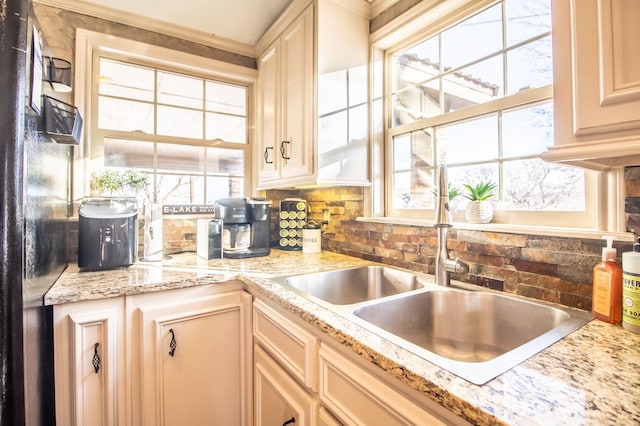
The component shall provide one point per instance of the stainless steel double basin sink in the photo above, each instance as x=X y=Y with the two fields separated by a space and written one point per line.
x=474 y=333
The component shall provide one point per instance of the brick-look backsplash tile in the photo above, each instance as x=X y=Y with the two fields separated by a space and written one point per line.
x=548 y=268
x=553 y=269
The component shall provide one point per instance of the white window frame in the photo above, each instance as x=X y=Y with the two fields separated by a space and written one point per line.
x=89 y=155
x=605 y=190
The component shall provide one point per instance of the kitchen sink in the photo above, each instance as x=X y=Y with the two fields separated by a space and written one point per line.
x=467 y=330
x=353 y=285
x=474 y=334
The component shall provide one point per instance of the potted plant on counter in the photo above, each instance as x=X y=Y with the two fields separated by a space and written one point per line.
x=479 y=209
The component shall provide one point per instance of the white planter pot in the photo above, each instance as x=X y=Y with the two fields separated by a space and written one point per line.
x=479 y=212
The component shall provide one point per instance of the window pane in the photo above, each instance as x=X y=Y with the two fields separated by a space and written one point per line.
x=180 y=122
x=180 y=189
x=125 y=80
x=427 y=51
x=527 y=19
x=473 y=175
x=473 y=85
x=221 y=97
x=179 y=90
x=413 y=189
x=180 y=158
x=530 y=65
x=413 y=150
x=128 y=154
x=225 y=161
x=418 y=90
x=224 y=187
x=527 y=131
x=229 y=128
x=469 y=141
x=128 y=116
x=538 y=185
x=478 y=36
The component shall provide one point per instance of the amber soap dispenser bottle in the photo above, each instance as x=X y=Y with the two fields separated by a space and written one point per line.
x=607 y=286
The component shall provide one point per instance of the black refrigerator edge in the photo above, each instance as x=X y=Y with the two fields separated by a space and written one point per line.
x=35 y=173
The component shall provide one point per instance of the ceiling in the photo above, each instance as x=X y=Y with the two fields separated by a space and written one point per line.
x=243 y=21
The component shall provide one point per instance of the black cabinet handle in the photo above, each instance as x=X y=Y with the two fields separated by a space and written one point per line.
x=266 y=155
x=172 y=344
x=96 y=358
x=290 y=421
x=283 y=150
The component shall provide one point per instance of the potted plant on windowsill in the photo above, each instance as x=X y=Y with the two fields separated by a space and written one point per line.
x=479 y=208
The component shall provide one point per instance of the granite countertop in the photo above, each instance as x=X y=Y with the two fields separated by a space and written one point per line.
x=591 y=377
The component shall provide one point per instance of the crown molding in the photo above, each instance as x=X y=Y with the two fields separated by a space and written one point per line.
x=379 y=6
x=151 y=25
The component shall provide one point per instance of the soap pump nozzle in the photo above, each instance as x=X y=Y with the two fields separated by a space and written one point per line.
x=608 y=252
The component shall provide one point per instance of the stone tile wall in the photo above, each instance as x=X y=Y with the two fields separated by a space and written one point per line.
x=554 y=269
x=632 y=200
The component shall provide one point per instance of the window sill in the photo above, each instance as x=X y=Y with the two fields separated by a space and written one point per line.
x=509 y=229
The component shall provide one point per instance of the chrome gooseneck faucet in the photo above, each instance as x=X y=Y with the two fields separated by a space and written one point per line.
x=443 y=222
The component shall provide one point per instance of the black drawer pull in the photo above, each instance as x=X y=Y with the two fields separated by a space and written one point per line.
x=172 y=344
x=96 y=358
x=290 y=421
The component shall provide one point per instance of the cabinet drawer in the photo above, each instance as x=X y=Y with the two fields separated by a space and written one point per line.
x=289 y=344
x=359 y=398
x=278 y=398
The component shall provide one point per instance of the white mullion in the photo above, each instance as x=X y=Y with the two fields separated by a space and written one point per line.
x=204 y=137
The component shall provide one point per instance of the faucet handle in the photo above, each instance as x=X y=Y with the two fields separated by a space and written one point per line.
x=443 y=214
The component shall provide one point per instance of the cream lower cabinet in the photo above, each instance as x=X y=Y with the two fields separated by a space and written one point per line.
x=89 y=362
x=285 y=370
x=279 y=400
x=357 y=397
x=191 y=357
x=174 y=357
x=299 y=379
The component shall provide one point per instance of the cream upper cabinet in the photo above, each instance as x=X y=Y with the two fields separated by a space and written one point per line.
x=191 y=357
x=284 y=114
x=89 y=362
x=312 y=103
x=596 y=83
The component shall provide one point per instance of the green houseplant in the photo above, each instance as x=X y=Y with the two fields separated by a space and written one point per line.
x=478 y=208
x=110 y=182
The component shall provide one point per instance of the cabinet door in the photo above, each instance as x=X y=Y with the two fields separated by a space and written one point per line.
x=267 y=154
x=88 y=355
x=296 y=149
x=279 y=400
x=195 y=358
x=596 y=83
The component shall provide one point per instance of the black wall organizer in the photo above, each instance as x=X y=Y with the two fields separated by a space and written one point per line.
x=62 y=121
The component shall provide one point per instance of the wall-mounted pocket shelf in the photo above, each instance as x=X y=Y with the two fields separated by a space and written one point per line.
x=62 y=121
x=57 y=73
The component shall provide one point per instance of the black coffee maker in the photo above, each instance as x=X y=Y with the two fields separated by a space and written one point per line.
x=246 y=223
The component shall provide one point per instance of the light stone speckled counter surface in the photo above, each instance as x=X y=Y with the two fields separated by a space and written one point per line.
x=591 y=377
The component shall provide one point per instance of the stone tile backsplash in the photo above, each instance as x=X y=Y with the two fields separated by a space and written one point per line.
x=554 y=269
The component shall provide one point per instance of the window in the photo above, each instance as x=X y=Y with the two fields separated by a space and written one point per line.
x=187 y=132
x=477 y=95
